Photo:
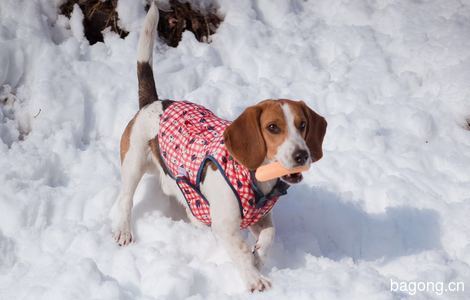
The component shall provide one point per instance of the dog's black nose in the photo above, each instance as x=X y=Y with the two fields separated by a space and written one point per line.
x=300 y=157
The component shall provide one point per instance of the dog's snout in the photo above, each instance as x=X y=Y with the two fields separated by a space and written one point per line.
x=300 y=157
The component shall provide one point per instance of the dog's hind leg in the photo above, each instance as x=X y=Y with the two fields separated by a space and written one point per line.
x=132 y=169
x=135 y=153
x=133 y=160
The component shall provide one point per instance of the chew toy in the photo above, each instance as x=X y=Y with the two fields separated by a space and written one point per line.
x=275 y=170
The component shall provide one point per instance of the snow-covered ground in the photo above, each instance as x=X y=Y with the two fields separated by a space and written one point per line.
x=390 y=200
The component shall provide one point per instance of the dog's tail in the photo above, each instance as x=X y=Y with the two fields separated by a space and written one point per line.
x=147 y=90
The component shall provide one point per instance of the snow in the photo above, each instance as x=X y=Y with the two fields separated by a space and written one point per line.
x=76 y=23
x=390 y=200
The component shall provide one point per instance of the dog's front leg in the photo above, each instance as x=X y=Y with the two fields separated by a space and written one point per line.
x=264 y=233
x=225 y=215
x=241 y=255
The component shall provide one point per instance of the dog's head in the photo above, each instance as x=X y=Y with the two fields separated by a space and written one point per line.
x=282 y=130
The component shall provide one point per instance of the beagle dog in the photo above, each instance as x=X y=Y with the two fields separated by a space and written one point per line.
x=207 y=163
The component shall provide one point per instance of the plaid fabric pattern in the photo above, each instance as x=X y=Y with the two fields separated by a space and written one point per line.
x=189 y=136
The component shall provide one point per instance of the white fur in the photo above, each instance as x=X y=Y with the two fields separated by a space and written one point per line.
x=147 y=36
x=292 y=142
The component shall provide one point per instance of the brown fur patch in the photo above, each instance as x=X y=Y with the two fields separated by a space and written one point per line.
x=272 y=114
x=125 y=139
x=244 y=140
x=147 y=90
x=315 y=133
x=155 y=148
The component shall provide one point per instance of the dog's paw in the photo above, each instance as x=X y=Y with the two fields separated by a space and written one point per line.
x=122 y=236
x=257 y=283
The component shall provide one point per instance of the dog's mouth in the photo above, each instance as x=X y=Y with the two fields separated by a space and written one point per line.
x=292 y=178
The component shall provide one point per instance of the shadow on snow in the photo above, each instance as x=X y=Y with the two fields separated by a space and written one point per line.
x=321 y=223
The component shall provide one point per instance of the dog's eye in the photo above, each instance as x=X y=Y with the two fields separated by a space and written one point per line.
x=273 y=128
x=302 y=125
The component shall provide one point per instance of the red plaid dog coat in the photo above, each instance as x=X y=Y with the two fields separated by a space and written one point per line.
x=190 y=136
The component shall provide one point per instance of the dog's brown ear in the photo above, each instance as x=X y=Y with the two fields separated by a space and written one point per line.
x=316 y=129
x=244 y=139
